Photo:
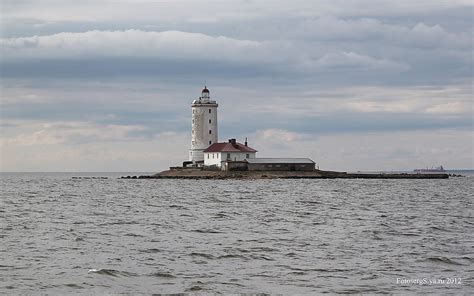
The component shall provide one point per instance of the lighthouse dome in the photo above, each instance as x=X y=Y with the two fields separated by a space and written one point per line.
x=205 y=94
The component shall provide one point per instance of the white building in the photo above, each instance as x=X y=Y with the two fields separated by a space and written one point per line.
x=218 y=153
x=204 y=126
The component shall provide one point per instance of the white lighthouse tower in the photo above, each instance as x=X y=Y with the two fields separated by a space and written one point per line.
x=204 y=126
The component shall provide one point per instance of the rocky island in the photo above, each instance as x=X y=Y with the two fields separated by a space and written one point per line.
x=198 y=173
x=210 y=159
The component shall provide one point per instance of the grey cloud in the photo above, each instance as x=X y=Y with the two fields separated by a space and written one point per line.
x=348 y=122
x=394 y=51
x=213 y=10
x=129 y=43
x=370 y=29
x=319 y=68
x=164 y=53
x=128 y=67
x=241 y=112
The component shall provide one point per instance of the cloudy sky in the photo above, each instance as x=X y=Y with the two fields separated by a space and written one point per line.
x=106 y=85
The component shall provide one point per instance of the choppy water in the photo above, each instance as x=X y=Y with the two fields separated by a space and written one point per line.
x=110 y=236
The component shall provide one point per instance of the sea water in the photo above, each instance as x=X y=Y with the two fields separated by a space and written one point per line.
x=61 y=234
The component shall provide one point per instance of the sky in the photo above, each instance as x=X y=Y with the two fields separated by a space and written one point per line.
x=106 y=85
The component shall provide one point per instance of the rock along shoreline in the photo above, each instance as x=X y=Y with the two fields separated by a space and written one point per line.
x=316 y=174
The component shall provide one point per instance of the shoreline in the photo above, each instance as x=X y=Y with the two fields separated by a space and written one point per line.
x=316 y=174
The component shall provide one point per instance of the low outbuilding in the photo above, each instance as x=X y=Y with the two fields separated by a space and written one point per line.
x=280 y=164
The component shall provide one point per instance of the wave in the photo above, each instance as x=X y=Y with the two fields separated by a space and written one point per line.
x=207 y=256
x=73 y=286
x=162 y=274
x=152 y=250
x=206 y=231
x=439 y=259
x=112 y=272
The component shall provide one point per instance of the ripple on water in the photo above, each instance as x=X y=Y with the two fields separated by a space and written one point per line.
x=161 y=274
x=152 y=250
x=234 y=236
x=112 y=272
x=443 y=260
x=204 y=255
x=75 y=286
x=206 y=231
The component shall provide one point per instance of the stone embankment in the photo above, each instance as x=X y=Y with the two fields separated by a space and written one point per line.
x=317 y=174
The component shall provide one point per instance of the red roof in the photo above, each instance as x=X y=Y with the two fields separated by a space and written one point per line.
x=228 y=147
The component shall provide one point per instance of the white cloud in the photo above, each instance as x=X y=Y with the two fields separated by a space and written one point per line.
x=50 y=133
x=176 y=45
x=41 y=137
x=133 y=44
x=358 y=61
x=278 y=135
x=83 y=146
x=371 y=30
x=450 y=108
x=401 y=106
x=333 y=102
x=373 y=151
x=451 y=100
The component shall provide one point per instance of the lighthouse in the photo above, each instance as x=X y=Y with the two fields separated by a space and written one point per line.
x=204 y=126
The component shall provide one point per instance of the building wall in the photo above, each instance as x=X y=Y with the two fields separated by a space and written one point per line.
x=237 y=156
x=222 y=156
x=212 y=158
x=204 y=119
x=234 y=166
x=281 y=166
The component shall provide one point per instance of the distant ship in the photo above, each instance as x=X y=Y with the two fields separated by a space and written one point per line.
x=439 y=169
